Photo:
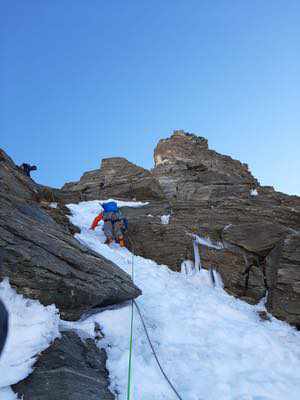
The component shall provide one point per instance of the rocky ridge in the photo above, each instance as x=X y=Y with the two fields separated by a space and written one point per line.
x=214 y=196
x=198 y=191
x=43 y=261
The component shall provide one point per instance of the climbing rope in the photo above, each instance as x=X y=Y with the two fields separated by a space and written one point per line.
x=131 y=338
x=133 y=302
x=154 y=353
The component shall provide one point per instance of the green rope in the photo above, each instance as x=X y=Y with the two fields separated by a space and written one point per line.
x=131 y=340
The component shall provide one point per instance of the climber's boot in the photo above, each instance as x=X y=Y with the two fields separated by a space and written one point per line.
x=121 y=241
x=109 y=241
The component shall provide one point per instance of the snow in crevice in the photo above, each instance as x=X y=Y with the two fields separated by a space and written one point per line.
x=211 y=345
x=165 y=219
x=32 y=328
x=53 y=205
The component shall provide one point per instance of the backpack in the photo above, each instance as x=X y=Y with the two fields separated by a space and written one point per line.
x=111 y=206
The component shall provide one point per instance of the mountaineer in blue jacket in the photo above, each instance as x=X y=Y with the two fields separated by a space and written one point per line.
x=114 y=223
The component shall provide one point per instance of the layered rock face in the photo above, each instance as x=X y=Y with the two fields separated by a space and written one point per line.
x=283 y=271
x=216 y=196
x=69 y=369
x=188 y=170
x=116 y=178
x=42 y=259
x=205 y=192
x=212 y=195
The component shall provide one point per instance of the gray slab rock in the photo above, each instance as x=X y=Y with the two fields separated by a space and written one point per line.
x=44 y=262
x=70 y=369
x=283 y=277
x=258 y=237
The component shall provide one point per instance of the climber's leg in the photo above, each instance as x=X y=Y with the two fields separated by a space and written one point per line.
x=118 y=233
x=108 y=231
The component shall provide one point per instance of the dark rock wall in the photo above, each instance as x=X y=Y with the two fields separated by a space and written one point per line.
x=283 y=273
x=70 y=369
x=43 y=260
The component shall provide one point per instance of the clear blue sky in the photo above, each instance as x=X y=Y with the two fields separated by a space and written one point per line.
x=82 y=80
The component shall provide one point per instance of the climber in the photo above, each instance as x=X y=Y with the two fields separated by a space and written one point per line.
x=115 y=225
x=27 y=168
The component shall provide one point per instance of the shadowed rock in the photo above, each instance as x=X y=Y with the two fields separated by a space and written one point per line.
x=283 y=275
x=43 y=261
x=69 y=369
x=13 y=182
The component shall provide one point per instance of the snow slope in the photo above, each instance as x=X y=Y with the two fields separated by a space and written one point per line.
x=212 y=346
x=32 y=327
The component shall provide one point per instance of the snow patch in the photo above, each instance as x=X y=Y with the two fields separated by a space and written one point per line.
x=160 y=161
x=53 y=205
x=32 y=327
x=165 y=219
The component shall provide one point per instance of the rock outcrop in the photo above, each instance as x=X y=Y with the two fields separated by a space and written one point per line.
x=42 y=259
x=69 y=369
x=204 y=192
x=257 y=237
x=13 y=182
x=116 y=178
x=207 y=193
x=187 y=170
x=283 y=276
x=217 y=197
